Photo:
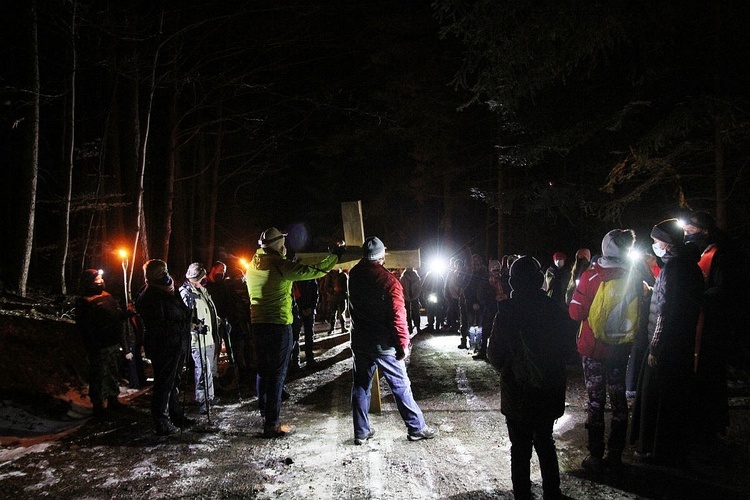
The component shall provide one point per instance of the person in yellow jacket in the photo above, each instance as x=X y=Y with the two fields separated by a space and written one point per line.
x=269 y=279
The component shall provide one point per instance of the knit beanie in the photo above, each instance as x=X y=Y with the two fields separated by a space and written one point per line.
x=494 y=265
x=526 y=274
x=701 y=220
x=373 y=249
x=87 y=282
x=669 y=231
x=615 y=247
x=583 y=253
x=195 y=271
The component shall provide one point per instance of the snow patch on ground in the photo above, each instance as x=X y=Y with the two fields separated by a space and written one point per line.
x=12 y=454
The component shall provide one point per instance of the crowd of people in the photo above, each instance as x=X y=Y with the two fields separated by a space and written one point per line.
x=653 y=330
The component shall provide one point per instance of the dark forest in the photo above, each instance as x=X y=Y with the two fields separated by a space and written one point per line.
x=182 y=129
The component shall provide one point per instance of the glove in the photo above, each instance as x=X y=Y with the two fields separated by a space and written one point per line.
x=338 y=250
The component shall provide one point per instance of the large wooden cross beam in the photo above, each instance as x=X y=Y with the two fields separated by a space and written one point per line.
x=354 y=236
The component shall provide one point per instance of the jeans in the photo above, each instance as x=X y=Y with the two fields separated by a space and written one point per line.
x=395 y=374
x=523 y=435
x=274 y=347
x=204 y=369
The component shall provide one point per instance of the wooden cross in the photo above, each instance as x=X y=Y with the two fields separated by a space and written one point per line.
x=354 y=236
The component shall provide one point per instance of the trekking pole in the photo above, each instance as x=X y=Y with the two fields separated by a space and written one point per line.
x=228 y=327
x=201 y=351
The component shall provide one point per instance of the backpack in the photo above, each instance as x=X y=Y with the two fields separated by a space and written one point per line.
x=613 y=316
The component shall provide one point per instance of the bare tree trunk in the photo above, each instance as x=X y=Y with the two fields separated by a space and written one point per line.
x=140 y=232
x=171 y=168
x=70 y=149
x=213 y=200
x=721 y=180
x=33 y=151
x=719 y=151
x=500 y=210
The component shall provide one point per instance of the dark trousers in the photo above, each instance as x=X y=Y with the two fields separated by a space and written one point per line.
x=274 y=346
x=523 y=436
x=308 y=323
x=412 y=314
x=167 y=368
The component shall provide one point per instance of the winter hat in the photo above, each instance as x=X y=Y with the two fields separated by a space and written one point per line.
x=88 y=280
x=195 y=272
x=494 y=265
x=373 y=249
x=559 y=256
x=272 y=238
x=583 y=253
x=669 y=231
x=155 y=271
x=526 y=274
x=615 y=247
x=701 y=220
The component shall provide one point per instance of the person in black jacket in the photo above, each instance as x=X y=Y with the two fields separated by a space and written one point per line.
x=661 y=423
x=166 y=322
x=101 y=323
x=529 y=344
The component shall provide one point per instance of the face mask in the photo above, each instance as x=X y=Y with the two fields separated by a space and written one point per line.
x=164 y=280
x=218 y=277
x=696 y=238
x=658 y=251
x=204 y=281
x=559 y=263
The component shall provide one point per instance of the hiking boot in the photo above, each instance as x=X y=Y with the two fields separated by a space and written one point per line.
x=165 y=428
x=113 y=404
x=463 y=345
x=594 y=464
x=426 y=433
x=613 y=459
x=278 y=431
x=181 y=420
x=480 y=356
x=361 y=440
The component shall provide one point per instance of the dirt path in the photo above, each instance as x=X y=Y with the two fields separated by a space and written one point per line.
x=469 y=460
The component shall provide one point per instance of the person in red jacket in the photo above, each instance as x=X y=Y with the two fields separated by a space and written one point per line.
x=380 y=337
x=604 y=365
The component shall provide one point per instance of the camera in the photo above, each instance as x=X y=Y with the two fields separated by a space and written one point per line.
x=201 y=328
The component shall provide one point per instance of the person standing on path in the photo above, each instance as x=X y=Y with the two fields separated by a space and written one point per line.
x=529 y=345
x=166 y=338
x=269 y=278
x=380 y=338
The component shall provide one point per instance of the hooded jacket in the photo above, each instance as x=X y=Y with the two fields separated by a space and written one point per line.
x=588 y=345
x=269 y=283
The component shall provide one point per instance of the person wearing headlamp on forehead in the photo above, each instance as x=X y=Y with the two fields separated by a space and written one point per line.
x=101 y=323
x=662 y=423
x=269 y=278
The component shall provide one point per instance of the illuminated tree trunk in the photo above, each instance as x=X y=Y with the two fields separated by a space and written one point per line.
x=32 y=151
x=70 y=147
x=141 y=236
